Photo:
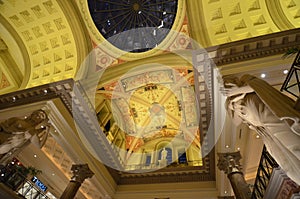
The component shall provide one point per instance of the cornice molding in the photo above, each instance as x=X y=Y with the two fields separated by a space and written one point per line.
x=170 y=174
x=257 y=47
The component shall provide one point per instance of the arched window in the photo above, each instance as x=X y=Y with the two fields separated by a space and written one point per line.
x=169 y=155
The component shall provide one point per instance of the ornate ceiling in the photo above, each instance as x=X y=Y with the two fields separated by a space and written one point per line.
x=46 y=48
x=48 y=41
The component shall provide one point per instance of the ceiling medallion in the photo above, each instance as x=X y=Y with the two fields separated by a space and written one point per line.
x=133 y=25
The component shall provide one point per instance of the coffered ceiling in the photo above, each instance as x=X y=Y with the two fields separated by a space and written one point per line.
x=148 y=95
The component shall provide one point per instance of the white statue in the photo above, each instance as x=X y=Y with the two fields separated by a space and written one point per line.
x=271 y=114
x=164 y=154
x=16 y=133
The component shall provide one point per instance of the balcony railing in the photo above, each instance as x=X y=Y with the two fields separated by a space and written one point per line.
x=292 y=81
x=157 y=166
x=263 y=176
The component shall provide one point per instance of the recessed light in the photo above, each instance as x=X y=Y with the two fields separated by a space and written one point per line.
x=285 y=71
x=35 y=155
x=53 y=174
x=238 y=148
x=227 y=146
x=263 y=75
x=257 y=136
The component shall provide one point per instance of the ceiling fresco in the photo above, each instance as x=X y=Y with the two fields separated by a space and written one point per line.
x=155 y=105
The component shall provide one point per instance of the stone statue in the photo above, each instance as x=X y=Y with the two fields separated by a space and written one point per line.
x=271 y=114
x=163 y=158
x=16 y=133
x=164 y=153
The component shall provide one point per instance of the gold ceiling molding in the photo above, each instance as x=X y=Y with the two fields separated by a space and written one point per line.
x=52 y=33
x=291 y=9
x=113 y=51
x=195 y=14
x=15 y=59
x=112 y=74
x=279 y=14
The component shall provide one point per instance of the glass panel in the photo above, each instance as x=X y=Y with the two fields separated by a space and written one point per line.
x=112 y=17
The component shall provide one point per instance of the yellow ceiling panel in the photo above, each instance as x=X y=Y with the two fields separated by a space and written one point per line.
x=236 y=20
x=47 y=35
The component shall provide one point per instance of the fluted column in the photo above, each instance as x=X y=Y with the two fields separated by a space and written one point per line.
x=80 y=173
x=229 y=163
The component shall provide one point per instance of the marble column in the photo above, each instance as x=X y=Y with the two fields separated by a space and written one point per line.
x=80 y=173
x=229 y=163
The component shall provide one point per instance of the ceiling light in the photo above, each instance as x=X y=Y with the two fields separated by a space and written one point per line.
x=53 y=174
x=257 y=136
x=285 y=71
x=227 y=146
x=238 y=148
x=263 y=75
x=225 y=192
x=35 y=155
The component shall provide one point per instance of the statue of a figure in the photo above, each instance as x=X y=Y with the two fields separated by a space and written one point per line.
x=16 y=133
x=164 y=153
x=271 y=114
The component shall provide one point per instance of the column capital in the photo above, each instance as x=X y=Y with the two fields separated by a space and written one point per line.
x=229 y=162
x=81 y=172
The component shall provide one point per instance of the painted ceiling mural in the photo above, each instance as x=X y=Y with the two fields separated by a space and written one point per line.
x=154 y=105
x=147 y=104
x=52 y=51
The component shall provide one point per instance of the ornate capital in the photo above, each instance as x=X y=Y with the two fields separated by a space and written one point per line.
x=229 y=162
x=81 y=172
